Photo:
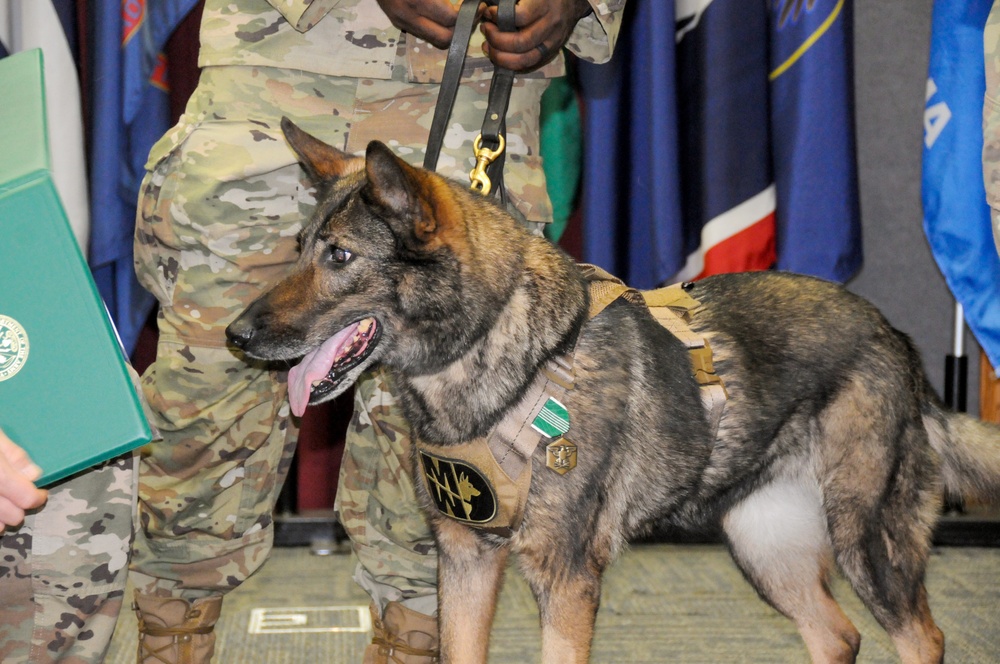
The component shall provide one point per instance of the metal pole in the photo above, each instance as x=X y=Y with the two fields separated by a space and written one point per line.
x=16 y=26
x=956 y=366
x=956 y=371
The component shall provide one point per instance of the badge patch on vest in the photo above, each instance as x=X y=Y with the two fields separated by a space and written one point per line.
x=560 y=455
x=458 y=489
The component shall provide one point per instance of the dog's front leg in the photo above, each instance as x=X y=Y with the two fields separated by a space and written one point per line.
x=470 y=573
x=568 y=596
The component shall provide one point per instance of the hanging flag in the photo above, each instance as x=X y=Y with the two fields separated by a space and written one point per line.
x=632 y=224
x=812 y=129
x=956 y=216
x=130 y=111
x=727 y=165
x=47 y=25
x=727 y=184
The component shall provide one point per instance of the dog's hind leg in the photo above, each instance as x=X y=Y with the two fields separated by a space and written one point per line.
x=470 y=574
x=778 y=539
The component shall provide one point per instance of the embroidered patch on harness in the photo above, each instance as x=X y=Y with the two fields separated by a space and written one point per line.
x=552 y=420
x=458 y=489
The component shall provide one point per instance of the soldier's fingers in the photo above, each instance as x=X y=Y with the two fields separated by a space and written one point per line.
x=19 y=492
x=10 y=451
x=520 y=62
x=432 y=21
x=24 y=465
x=524 y=50
x=441 y=12
x=10 y=514
x=527 y=12
x=13 y=457
x=520 y=41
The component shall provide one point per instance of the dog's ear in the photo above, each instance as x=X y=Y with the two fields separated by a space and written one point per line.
x=323 y=163
x=400 y=193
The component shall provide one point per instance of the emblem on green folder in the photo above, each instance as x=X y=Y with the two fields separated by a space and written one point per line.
x=13 y=347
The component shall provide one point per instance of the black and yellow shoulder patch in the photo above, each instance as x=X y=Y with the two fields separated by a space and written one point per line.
x=458 y=489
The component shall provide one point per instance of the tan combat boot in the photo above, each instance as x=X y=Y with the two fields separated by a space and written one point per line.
x=402 y=636
x=176 y=631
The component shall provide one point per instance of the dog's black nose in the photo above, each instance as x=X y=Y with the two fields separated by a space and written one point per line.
x=240 y=332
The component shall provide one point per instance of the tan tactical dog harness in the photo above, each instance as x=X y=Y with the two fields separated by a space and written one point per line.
x=485 y=483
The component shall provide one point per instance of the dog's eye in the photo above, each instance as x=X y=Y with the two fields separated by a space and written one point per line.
x=340 y=255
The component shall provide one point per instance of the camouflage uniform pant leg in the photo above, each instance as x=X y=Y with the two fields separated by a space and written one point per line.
x=63 y=573
x=991 y=118
x=219 y=213
x=377 y=504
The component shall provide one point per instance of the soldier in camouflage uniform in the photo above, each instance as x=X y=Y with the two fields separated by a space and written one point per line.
x=220 y=207
x=991 y=118
x=64 y=570
x=63 y=573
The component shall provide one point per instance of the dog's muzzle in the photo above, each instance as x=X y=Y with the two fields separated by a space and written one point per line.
x=323 y=372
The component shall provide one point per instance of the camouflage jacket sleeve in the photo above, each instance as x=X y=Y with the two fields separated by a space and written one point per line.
x=303 y=14
x=596 y=34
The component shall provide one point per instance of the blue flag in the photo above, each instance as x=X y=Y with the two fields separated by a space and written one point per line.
x=956 y=216
x=630 y=198
x=721 y=138
x=812 y=125
x=131 y=110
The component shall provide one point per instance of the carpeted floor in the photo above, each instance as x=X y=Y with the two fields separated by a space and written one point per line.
x=682 y=604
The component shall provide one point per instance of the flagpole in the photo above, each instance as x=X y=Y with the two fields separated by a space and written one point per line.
x=14 y=19
x=956 y=366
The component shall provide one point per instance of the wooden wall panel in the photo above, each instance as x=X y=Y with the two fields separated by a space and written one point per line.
x=989 y=391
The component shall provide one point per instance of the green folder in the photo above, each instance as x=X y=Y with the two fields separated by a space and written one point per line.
x=65 y=391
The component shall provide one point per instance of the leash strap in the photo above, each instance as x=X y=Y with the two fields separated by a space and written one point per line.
x=452 y=76
x=494 y=129
x=491 y=140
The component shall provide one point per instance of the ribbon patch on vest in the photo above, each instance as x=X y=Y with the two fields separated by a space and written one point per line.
x=552 y=420
x=459 y=490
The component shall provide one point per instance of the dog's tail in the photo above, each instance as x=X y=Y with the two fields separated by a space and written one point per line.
x=969 y=449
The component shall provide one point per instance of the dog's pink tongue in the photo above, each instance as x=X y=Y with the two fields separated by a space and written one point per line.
x=314 y=367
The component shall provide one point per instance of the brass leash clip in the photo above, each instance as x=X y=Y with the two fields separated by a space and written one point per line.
x=484 y=157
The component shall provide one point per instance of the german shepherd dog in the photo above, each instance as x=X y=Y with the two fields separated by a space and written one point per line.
x=832 y=450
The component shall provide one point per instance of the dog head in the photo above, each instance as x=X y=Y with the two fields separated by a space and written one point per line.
x=383 y=275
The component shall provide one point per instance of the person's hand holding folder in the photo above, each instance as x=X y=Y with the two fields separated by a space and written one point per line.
x=17 y=491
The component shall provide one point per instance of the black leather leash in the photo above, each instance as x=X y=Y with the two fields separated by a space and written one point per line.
x=487 y=177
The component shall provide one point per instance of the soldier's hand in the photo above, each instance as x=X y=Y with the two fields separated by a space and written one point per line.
x=543 y=26
x=17 y=493
x=430 y=20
